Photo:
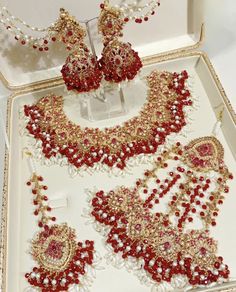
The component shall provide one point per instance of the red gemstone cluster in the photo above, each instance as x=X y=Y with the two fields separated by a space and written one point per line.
x=166 y=251
x=160 y=239
x=161 y=115
x=81 y=71
x=61 y=259
x=119 y=62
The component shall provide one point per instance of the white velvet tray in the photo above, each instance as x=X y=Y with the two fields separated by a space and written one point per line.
x=20 y=65
x=20 y=222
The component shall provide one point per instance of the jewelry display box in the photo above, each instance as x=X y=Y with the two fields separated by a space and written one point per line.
x=169 y=41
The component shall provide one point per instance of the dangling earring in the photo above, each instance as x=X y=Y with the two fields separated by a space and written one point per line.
x=81 y=70
x=119 y=61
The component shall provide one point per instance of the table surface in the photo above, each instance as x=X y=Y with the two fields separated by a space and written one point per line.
x=220 y=45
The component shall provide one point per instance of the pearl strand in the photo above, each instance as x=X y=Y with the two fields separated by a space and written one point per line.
x=10 y=22
x=9 y=16
x=129 y=9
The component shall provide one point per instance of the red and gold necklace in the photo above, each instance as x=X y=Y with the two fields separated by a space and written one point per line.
x=136 y=228
x=162 y=115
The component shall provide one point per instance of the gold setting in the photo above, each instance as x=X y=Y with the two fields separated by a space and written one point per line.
x=136 y=129
x=63 y=235
x=47 y=84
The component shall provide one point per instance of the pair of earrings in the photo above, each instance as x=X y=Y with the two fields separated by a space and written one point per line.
x=119 y=62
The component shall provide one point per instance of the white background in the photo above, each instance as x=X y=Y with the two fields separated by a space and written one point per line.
x=220 y=45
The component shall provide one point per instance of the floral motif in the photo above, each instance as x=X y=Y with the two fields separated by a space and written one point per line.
x=161 y=115
x=81 y=71
x=110 y=22
x=61 y=259
x=204 y=154
x=166 y=250
x=136 y=229
x=119 y=62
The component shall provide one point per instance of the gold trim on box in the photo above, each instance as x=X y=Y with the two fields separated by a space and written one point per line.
x=227 y=287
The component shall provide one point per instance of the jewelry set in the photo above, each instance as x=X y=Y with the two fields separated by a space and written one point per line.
x=191 y=179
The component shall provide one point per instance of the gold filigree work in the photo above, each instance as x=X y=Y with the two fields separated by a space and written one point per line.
x=161 y=115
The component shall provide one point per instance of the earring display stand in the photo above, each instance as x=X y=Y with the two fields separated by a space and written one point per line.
x=106 y=102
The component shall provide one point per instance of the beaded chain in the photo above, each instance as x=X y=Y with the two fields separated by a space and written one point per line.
x=194 y=189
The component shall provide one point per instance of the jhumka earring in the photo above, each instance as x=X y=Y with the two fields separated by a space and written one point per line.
x=81 y=70
x=119 y=61
x=62 y=261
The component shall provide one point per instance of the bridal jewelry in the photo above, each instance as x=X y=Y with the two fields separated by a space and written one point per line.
x=81 y=71
x=135 y=10
x=61 y=259
x=160 y=241
x=161 y=115
x=24 y=33
x=65 y=29
x=119 y=61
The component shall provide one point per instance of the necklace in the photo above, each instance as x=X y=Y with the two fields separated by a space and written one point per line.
x=158 y=240
x=161 y=115
x=61 y=260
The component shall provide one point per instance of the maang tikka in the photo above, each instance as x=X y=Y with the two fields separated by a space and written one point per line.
x=62 y=261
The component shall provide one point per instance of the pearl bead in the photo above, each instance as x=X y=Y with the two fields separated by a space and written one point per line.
x=45 y=281
x=139 y=248
x=159 y=270
x=151 y=263
x=222 y=266
x=63 y=281
x=38 y=276
x=54 y=282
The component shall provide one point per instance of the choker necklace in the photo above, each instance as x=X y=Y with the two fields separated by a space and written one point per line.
x=62 y=261
x=159 y=241
x=162 y=115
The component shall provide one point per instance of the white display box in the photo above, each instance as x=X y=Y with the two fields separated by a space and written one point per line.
x=176 y=25
x=175 y=53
